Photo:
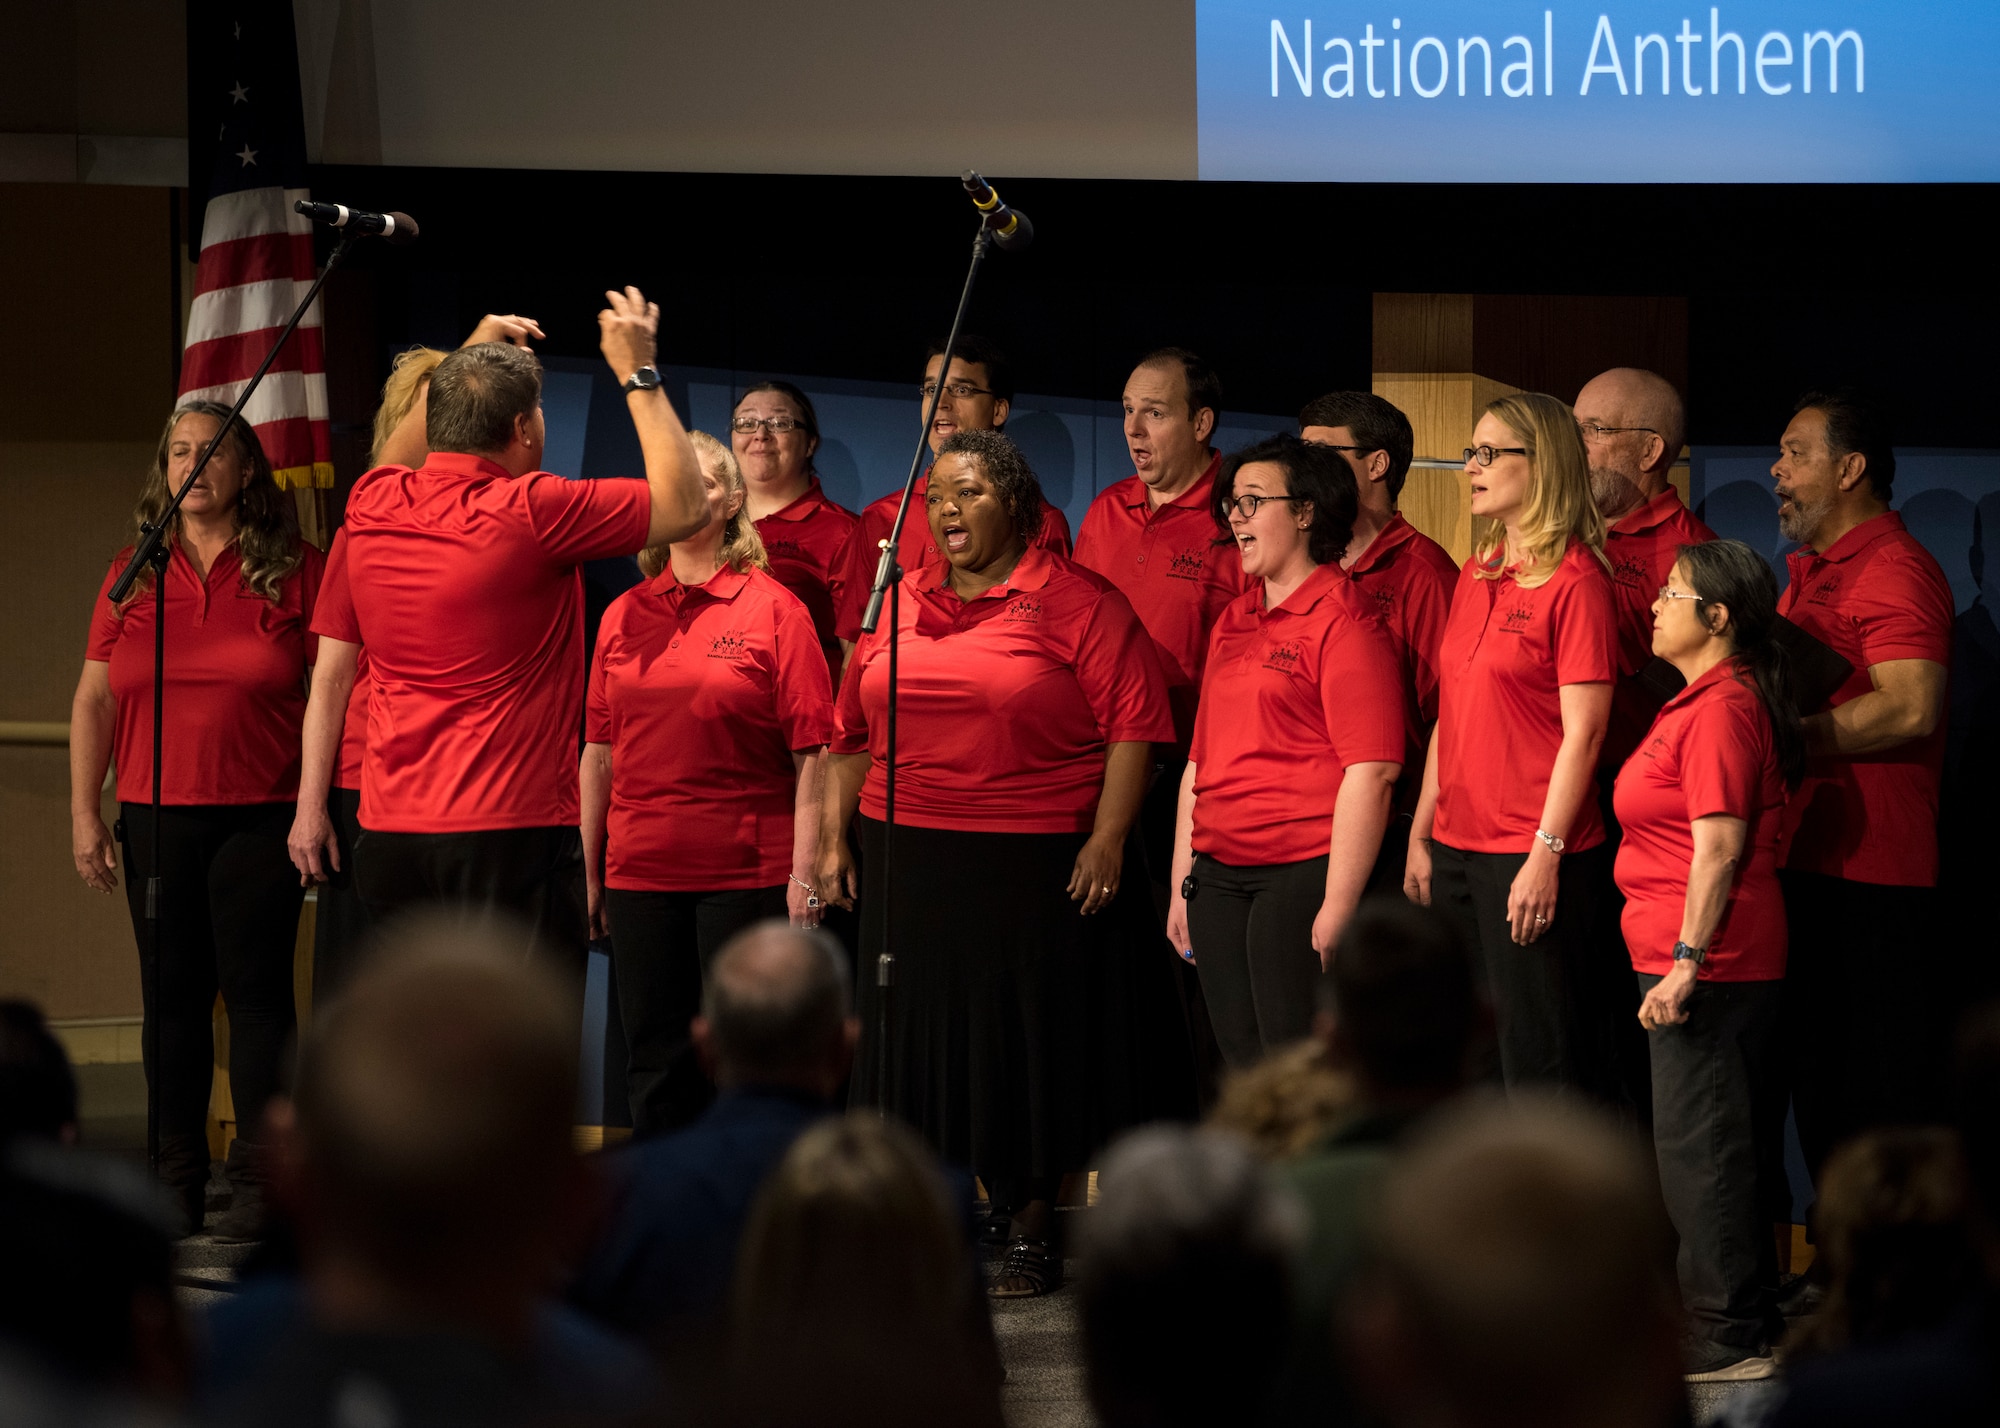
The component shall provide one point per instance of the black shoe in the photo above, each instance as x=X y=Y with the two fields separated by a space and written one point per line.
x=995 y=1230
x=1723 y=1363
x=243 y=1222
x=185 y=1207
x=1030 y=1270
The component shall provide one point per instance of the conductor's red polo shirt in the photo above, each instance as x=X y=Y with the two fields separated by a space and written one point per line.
x=1876 y=595
x=804 y=541
x=1641 y=546
x=235 y=686
x=1174 y=566
x=1407 y=578
x=461 y=582
x=1005 y=703
x=916 y=552
x=703 y=694
x=1710 y=752
x=1507 y=653
x=1291 y=698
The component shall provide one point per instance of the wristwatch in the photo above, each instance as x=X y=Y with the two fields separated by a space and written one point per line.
x=1685 y=953
x=1556 y=845
x=643 y=380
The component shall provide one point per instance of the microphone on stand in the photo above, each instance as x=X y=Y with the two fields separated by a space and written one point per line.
x=395 y=228
x=1011 y=228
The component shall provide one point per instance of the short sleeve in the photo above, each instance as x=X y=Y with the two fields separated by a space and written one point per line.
x=804 y=689
x=597 y=692
x=1119 y=671
x=1721 y=757
x=1584 y=628
x=855 y=567
x=333 y=608
x=1902 y=609
x=106 y=621
x=1361 y=694
x=850 y=719
x=577 y=521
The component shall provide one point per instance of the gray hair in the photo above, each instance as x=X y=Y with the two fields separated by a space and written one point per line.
x=475 y=395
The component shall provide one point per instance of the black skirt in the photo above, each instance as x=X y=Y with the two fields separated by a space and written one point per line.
x=1022 y=1034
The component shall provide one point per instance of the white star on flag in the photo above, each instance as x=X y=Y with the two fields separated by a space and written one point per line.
x=248 y=155
x=240 y=95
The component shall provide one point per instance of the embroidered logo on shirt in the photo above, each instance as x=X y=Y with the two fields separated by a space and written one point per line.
x=1656 y=746
x=781 y=546
x=1188 y=564
x=1631 y=571
x=1518 y=619
x=729 y=644
x=1024 y=610
x=1284 y=656
x=1385 y=600
x=1824 y=589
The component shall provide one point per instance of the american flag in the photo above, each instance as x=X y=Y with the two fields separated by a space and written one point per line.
x=256 y=254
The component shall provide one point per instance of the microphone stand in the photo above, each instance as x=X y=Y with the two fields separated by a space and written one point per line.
x=889 y=581
x=152 y=550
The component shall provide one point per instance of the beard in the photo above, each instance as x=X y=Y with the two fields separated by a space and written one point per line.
x=1612 y=492
x=1799 y=519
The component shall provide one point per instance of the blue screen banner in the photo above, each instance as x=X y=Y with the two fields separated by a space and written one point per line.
x=1454 y=91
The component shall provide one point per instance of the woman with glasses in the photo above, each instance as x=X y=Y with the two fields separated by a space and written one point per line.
x=1298 y=742
x=708 y=713
x=1028 y=701
x=774 y=432
x=1700 y=804
x=1507 y=840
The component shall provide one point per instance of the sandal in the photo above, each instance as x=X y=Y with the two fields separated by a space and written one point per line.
x=1030 y=1262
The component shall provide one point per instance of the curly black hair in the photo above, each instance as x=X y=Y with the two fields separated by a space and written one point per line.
x=1013 y=479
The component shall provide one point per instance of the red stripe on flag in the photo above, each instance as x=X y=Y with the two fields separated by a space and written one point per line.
x=255 y=260
x=235 y=358
x=290 y=442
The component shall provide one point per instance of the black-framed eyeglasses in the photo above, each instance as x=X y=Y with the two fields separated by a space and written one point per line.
x=959 y=390
x=1486 y=455
x=777 y=426
x=1597 y=431
x=1246 y=505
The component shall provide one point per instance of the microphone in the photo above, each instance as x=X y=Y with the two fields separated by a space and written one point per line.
x=1010 y=227
x=395 y=228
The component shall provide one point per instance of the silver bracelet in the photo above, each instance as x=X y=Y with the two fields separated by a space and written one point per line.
x=812 y=893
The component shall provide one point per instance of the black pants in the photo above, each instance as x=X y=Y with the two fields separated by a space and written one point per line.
x=1709 y=1133
x=1156 y=840
x=340 y=923
x=535 y=874
x=229 y=921
x=1252 y=932
x=1542 y=1023
x=1865 y=1039
x=1610 y=997
x=661 y=945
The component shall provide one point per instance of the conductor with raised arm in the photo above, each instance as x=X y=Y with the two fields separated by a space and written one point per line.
x=460 y=577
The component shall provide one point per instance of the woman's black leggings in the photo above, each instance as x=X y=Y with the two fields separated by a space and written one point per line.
x=1252 y=934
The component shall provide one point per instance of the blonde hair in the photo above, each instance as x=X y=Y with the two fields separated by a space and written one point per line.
x=267 y=520
x=407 y=375
x=742 y=547
x=1559 y=505
x=1286 y=1103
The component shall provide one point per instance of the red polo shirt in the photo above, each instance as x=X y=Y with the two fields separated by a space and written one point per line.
x=804 y=542
x=1292 y=697
x=916 y=552
x=1641 y=546
x=704 y=693
x=1407 y=578
x=461 y=581
x=1710 y=752
x=354 y=727
x=1174 y=566
x=1506 y=654
x=1876 y=595
x=235 y=687
x=1004 y=703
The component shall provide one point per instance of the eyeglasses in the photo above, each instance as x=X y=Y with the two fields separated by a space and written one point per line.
x=777 y=426
x=1485 y=455
x=1668 y=593
x=960 y=390
x=1596 y=431
x=1246 y=506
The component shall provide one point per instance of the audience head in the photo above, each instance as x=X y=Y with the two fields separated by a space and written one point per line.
x=428 y=1150
x=1399 y=1004
x=486 y=400
x=1836 y=466
x=409 y=381
x=1735 y=609
x=1186 y=1280
x=854 y=1294
x=765 y=452
x=37 y=1086
x=1530 y=476
x=1307 y=508
x=978 y=391
x=1520 y=1275
x=775 y=1011
x=986 y=493
x=1893 y=1248
x=1284 y=1104
x=237 y=485
x=1633 y=423
x=1372 y=435
x=1172 y=402
x=728 y=515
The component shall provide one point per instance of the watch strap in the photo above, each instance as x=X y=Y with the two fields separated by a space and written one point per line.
x=1685 y=953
